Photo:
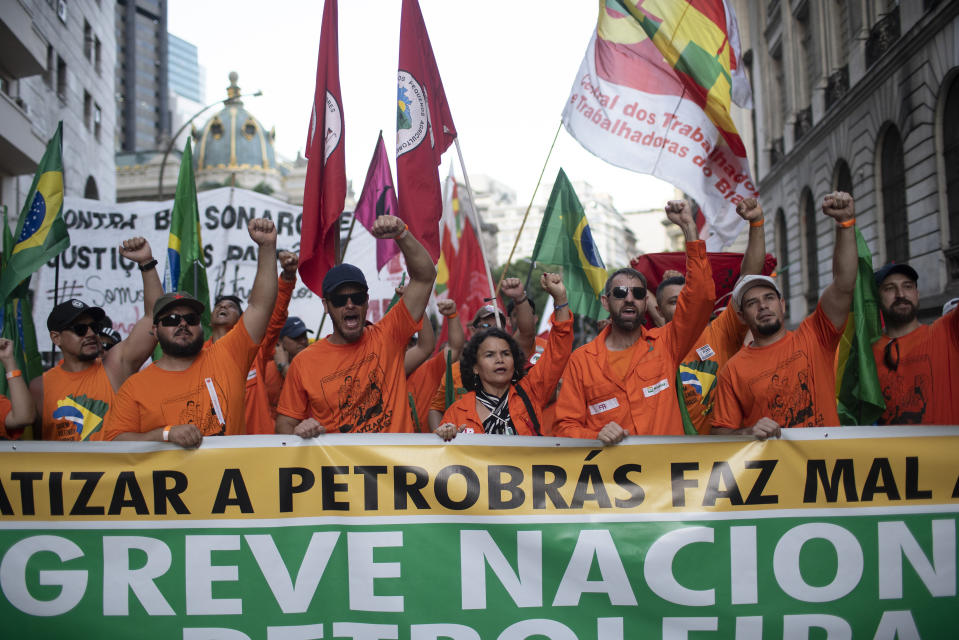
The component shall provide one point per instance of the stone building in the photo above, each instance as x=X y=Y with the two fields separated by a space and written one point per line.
x=56 y=63
x=862 y=96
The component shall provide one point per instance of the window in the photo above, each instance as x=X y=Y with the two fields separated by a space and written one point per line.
x=61 y=79
x=842 y=177
x=97 y=54
x=90 y=191
x=782 y=253
x=87 y=41
x=892 y=175
x=807 y=209
x=87 y=110
x=97 y=118
x=950 y=152
x=51 y=66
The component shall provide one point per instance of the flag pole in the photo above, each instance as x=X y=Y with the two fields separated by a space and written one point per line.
x=509 y=260
x=479 y=228
x=349 y=235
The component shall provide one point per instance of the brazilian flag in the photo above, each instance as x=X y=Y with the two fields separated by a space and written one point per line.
x=565 y=240
x=41 y=233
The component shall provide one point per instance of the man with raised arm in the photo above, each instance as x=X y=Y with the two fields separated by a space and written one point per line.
x=192 y=392
x=722 y=337
x=354 y=380
x=788 y=378
x=74 y=397
x=624 y=381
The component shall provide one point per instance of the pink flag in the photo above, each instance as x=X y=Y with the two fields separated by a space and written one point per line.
x=325 y=191
x=378 y=199
x=424 y=130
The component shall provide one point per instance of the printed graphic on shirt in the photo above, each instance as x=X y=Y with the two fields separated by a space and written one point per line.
x=195 y=407
x=699 y=380
x=358 y=394
x=788 y=395
x=79 y=416
x=905 y=395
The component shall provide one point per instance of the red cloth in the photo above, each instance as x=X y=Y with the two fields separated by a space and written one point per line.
x=325 y=191
x=424 y=130
x=468 y=282
x=725 y=268
x=378 y=198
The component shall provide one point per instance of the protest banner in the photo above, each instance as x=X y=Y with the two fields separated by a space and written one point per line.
x=93 y=270
x=837 y=532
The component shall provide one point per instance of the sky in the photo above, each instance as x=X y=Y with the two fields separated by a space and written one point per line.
x=507 y=69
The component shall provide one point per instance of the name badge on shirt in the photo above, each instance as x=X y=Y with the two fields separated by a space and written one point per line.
x=251 y=374
x=656 y=388
x=605 y=405
x=705 y=352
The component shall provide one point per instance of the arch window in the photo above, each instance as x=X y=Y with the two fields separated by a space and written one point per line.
x=808 y=211
x=782 y=253
x=950 y=152
x=90 y=191
x=893 y=180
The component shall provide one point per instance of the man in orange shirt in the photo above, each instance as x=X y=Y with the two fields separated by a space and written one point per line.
x=623 y=382
x=787 y=378
x=74 y=397
x=722 y=337
x=192 y=392
x=354 y=380
x=17 y=410
x=918 y=364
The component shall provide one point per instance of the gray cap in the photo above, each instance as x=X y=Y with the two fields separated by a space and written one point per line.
x=748 y=282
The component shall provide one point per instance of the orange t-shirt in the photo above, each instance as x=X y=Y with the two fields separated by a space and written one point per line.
x=644 y=402
x=924 y=387
x=76 y=404
x=422 y=384
x=792 y=381
x=274 y=385
x=260 y=412
x=358 y=387
x=538 y=383
x=5 y=407
x=213 y=386
x=720 y=341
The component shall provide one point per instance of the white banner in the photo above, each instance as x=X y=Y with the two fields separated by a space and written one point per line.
x=661 y=135
x=92 y=270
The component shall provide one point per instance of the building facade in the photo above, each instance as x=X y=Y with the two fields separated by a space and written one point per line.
x=141 y=75
x=860 y=96
x=56 y=63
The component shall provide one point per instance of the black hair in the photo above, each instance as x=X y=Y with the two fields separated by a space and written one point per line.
x=471 y=381
x=668 y=282
x=625 y=271
x=233 y=299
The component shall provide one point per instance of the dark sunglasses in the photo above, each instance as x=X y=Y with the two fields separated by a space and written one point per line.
x=174 y=319
x=339 y=299
x=620 y=292
x=81 y=328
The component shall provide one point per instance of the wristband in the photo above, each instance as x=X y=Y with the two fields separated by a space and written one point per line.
x=146 y=266
x=406 y=230
x=846 y=224
x=521 y=300
x=757 y=223
x=15 y=373
x=453 y=315
x=560 y=306
x=166 y=433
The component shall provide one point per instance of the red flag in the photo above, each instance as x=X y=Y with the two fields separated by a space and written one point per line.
x=424 y=130
x=325 y=190
x=378 y=198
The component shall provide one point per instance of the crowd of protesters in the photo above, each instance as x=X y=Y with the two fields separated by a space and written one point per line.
x=741 y=372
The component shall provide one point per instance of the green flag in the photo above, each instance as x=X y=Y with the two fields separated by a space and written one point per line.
x=184 y=267
x=16 y=320
x=858 y=394
x=41 y=233
x=564 y=240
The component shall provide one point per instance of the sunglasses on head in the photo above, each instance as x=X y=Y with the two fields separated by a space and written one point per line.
x=81 y=328
x=173 y=320
x=358 y=298
x=620 y=292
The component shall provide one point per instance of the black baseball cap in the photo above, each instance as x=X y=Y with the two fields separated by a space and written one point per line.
x=168 y=300
x=294 y=328
x=67 y=311
x=343 y=274
x=892 y=268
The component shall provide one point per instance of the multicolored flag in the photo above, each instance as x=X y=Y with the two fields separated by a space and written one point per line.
x=41 y=233
x=424 y=130
x=185 y=270
x=325 y=191
x=565 y=240
x=859 y=397
x=653 y=95
x=378 y=198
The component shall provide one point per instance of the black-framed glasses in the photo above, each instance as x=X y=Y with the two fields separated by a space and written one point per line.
x=173 y=320
x=620 y=292
x=81 y=328
x=358 y=298
x=892 y=362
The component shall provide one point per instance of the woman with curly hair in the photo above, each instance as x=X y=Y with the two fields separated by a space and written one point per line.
x=503 y=397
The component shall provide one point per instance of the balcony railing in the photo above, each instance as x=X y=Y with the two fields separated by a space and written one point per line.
x=777 y=151
x=882 y=36
x=803 y=123
x=837 y=85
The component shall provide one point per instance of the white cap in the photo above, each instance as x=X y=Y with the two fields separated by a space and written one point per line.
x=748 y=282
x=949 y=306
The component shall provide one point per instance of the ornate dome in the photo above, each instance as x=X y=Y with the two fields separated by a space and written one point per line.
x=234 y=140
